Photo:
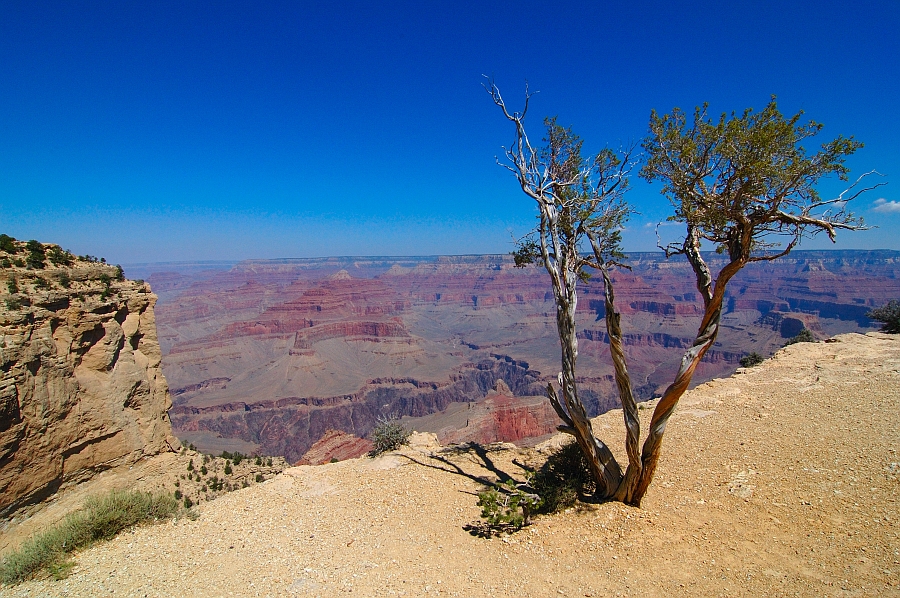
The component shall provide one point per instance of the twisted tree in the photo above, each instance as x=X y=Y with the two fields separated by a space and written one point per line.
x=743 y=185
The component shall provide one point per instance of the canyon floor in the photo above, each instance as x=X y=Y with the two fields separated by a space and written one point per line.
x=779 y=481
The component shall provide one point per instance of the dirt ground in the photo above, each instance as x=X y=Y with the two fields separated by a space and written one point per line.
x=779 y=481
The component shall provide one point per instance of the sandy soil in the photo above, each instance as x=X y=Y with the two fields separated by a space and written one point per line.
x=780 y=481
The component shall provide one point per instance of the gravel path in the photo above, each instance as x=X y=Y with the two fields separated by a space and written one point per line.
x=780 y=481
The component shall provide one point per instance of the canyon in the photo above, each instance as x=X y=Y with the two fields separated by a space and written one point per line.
x=270 y=356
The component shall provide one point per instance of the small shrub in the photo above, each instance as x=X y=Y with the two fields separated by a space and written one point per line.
x=259 y=478
x=58 y=257
x=334 y=460
x=227 y=468
x=13 y=303
x=748 y=361
x=804 y=336
x=5 y=263
x=64 y=280
x=388 y=435
x=12 y=286
x=889 y=315
x=507 y=505
x=120 y=273
x=8 y=244
x=188 y=503
x=41 y=283
x=562 y=479
x=203 y=470
x=190 y=466
x=101 y=519
x=258 y=460
x=178 y=494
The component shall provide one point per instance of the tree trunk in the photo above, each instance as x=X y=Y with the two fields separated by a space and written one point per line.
x=706 y=336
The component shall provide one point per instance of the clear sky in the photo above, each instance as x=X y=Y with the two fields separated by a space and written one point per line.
x=186 y=130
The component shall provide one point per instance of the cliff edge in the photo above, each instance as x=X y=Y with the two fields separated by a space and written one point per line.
x=81 y=389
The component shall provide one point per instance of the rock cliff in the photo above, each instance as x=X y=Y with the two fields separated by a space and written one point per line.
x=81 y=388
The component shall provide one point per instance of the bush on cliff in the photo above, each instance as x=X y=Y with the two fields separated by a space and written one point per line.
x=889 y=314
x=388 y=435
x=748 y=361
x=101 y=519
x=804 y=336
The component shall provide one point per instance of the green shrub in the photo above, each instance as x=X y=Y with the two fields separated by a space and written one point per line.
x=190 y=466
x=5 y=263
x=12 y=286
x=41 y=283
x=203 y=470
x=388 y=435
x=748 y=361
x=64 y=280
x=13 y=303
x=188 y=503
x=227 y=468
x=562 y=479
x=259 y=478
x=508 y=505
x=804 y=336
x=889 y=315
x=101 y=519
x=8 y=244
x=58 y=257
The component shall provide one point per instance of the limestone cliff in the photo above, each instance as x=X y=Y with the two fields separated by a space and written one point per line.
x=81 y=389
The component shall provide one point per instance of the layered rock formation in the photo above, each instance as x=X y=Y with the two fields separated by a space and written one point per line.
x=275 y=353
x=81 y=388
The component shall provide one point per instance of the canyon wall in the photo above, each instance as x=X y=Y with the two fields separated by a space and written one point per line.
x=81 y=386
x=275 y=353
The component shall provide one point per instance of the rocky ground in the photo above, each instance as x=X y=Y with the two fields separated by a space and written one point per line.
x=780 y=481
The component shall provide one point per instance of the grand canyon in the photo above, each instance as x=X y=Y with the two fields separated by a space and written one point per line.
x=274 y=356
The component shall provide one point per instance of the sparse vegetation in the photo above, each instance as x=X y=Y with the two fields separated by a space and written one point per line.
x=388 y=435
x=12 y=285
x=754 y=358
x=889 y=315
x=804 y=336
x=8 y=244
x=36 y=255
x=58 y=257
x=101 y=519
x=562 y=479
x=508 y=505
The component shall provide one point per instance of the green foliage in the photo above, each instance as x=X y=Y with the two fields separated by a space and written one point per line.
x=804 y=336
x=748 y=176
x=889 y=314
x=58 y=257
x=507 y=505
x=36 y=258
x=563 y=478
x=235 y=457
x=259 y=478
x=64 y=280
x=8 y=244
x=12 y=285
x=120 y=273
x=203 y=470
x=13 y=303
x=188 y=503
x=258 y=460
x=388 y=435
x=41 y=283
x=101 y=519
x=227 y=468
x=754 y=358
x=178 y=494
x=5 y=263
x=190 y=465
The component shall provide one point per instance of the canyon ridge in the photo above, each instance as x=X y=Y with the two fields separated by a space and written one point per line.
x=273 y=356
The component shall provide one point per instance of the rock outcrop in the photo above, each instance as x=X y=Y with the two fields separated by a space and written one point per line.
x=81 y=387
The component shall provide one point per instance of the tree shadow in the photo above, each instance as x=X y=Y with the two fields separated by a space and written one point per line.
x=483 y=459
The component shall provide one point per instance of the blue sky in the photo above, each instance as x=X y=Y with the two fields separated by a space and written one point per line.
x=186 y=130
